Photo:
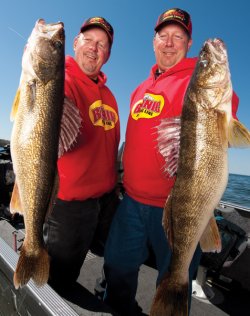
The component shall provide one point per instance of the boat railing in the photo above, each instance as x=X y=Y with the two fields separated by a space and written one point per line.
x=237 y=207
x=29 y=300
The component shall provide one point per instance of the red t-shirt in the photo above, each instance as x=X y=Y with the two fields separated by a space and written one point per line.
x=144 y=179
x=88 y=169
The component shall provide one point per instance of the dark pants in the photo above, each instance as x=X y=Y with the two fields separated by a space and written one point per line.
x=71 y=230
x=135 y=227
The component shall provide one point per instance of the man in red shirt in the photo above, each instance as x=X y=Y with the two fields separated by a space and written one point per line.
x=137 y=225
x=89 y=140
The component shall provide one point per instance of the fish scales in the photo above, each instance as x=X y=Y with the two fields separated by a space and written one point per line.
x=201 y=181
x=202 y=173
x=34 y=143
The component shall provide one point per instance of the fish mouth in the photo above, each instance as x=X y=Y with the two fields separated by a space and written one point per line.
x=213 y=75
x=50 y=31
x=43 y=27
x=215 y=50
x=213 y=56
x=217 y=42
x=44 y=45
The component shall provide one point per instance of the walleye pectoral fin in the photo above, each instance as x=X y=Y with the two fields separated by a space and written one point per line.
x=210 y=240
x=70 y=126
x=15 y=202
x=168 y=143
x=238 y=134
x=15 y=105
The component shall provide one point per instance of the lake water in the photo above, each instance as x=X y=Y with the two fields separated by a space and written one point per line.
x=238 y=190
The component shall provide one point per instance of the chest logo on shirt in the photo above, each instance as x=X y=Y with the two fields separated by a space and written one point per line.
x=102 y=115
x=150 y=106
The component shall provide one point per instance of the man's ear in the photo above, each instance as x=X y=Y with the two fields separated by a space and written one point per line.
x=154 y=44
x=190 y=42
x=108 y=55
x=75 y=41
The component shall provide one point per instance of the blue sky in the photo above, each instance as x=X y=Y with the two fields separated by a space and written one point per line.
x=132 y=54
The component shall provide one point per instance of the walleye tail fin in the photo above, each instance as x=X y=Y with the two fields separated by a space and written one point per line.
x=210 y=240
x=238 y=134
x=15 y=202
x=15 y=105
x=171 y=299
x=30 y=266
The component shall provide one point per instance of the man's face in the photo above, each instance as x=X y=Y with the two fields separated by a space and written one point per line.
x=92 y=50
x=171 y=44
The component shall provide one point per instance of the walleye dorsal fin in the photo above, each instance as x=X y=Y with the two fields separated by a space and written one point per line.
x=70 y=126
x=15 y=105
x=210 y=240
x=238 y=134
x=168 y=143
x=15 y=202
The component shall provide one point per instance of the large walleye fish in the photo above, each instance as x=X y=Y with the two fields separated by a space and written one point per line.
x=207 y=128
x=37 y=112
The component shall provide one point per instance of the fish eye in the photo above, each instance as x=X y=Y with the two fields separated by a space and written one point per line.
x=204 y=63
x=58 y=44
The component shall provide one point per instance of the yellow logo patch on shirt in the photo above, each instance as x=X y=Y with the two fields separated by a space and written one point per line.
x=103 y=115
x=150 y=106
